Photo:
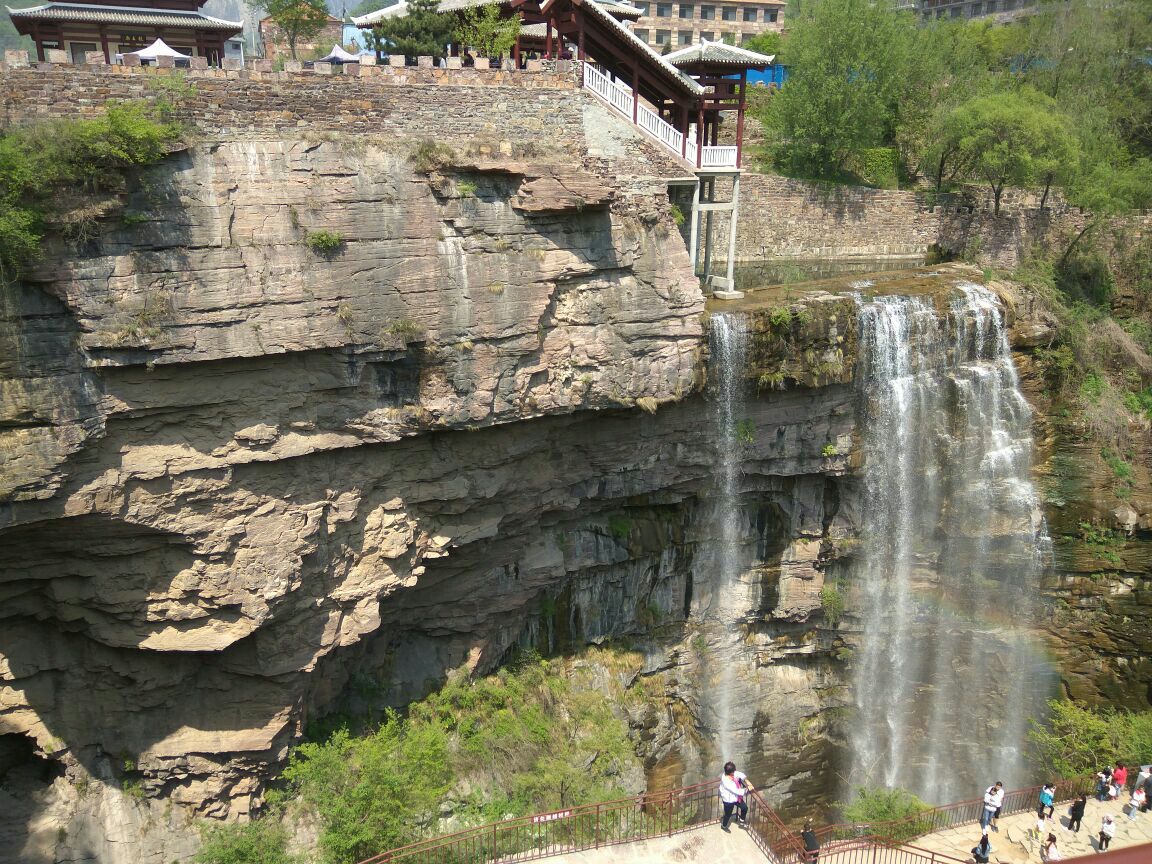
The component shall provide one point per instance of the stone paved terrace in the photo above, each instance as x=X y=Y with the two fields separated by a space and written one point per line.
x=706 y=844
x=1015 y=842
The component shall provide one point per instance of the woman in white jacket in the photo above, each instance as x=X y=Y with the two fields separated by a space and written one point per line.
x=733 y=786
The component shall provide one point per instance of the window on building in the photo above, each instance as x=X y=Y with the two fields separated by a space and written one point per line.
x=728 y=38
x=643 y=7
x=663 y=37
x=663 y=10
x=975 y=9
x=728 y=13
x=684 y=37
x=750 y=13
x=707 y=13
x=687 y=10
x=771 y=15
x=642 y=35
x=955 y=12
x=707 y=36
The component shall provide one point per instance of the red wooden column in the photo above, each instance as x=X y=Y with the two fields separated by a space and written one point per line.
x=104 y=44
x=700 y=131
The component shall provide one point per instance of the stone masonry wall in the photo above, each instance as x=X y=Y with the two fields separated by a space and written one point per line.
x=379 y=99
x=785 y=218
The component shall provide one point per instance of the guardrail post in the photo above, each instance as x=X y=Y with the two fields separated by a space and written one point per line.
x=596 y=832
x=494 y=855
x=670 y=794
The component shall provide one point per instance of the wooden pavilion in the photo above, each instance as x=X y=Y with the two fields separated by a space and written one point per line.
x=124 y=26
x=676 y=99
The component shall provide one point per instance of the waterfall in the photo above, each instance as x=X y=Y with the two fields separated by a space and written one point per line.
x=946 y=673
x=728 y=340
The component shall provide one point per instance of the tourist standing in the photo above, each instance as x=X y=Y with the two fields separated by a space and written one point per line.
x=1107 y=832
x=993 y=798
x=983 y=849
x=1076 y=812
x=1138 y=803
x=811 y=843
x=1047 y=801
x=1103 y=784
x=733 y=785
x=1148 y=792
x=1049 y=852
x=1120 y=777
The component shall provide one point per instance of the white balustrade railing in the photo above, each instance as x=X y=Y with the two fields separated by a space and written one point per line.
x=623 y=101
x=723 y=156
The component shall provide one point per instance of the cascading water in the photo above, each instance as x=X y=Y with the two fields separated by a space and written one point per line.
x=946 y=674
x=728 y=338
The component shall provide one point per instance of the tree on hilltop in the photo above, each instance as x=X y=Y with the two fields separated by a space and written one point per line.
x=297 y=19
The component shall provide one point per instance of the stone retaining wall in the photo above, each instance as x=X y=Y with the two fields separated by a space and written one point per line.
x=390 y=100
x=782 y=218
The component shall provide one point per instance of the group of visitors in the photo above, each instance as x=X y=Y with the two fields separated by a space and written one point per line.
x=1111 y=784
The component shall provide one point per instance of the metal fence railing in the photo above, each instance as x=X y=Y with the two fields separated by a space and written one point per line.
x=939 y=818
x=663 y=814
x=527 y=838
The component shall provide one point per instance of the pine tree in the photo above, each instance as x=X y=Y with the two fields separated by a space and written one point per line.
x=422 y=32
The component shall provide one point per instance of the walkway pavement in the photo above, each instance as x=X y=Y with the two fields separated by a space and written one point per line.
x=1016 y=843
x=709 y=845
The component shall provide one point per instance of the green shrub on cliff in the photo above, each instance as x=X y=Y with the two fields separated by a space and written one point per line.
x=524 y=740
x=263 y=841
x=45 y=167
x=874 y=805
x=1079 y=740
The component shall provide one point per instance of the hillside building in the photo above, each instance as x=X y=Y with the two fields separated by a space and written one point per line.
x=1003 y=10
x=123 y=26
x=667 y=25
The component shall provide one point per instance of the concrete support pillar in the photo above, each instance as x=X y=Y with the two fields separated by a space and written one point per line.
x=729 y=291
x=694 y=230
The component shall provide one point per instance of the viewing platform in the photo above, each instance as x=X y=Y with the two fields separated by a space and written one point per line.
x=683 y=825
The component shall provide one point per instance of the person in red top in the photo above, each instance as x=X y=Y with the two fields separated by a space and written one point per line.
x=1120 y=776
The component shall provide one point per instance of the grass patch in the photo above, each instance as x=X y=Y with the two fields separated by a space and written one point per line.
x=323 y=242
x=428 y=156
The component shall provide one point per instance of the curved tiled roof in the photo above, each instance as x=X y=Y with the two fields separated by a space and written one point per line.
x=603 y=11
x=718 y=52
x=661 y=63
x=618 y=9
x=83 y=12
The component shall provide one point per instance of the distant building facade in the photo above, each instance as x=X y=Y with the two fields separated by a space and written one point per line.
x=673 y=25
x=1001 y=9
x=275 y=42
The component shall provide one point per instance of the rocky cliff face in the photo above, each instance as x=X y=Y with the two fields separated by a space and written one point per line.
x=311 y=419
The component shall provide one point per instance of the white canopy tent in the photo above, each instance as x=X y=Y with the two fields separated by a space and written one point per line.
x=156 y=49
x=339 y=55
